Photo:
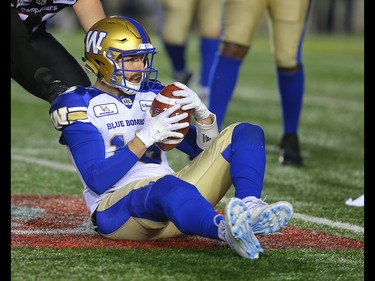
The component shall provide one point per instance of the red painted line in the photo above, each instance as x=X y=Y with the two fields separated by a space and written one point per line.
x=61 y=221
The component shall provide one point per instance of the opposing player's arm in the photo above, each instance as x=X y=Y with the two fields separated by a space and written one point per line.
x=88 y=12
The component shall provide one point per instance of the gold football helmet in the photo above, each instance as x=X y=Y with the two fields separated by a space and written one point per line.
x=115 y=37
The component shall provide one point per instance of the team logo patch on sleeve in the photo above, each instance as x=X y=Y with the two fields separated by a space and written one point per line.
x=105 y=109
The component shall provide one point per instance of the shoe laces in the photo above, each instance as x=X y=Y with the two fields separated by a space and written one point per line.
x=256 y=203
x=223 y=232
x=222 y=227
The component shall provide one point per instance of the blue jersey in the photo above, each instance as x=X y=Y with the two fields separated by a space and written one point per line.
x=96 y=127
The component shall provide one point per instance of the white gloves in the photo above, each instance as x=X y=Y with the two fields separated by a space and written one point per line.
x=162 y=126
x=190 y=100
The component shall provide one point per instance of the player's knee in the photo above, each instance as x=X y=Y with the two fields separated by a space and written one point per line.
x=233 y=50
x=248 y=133
x=170 y=184
x=171 y=180
x=290 y=69
x=287 y=63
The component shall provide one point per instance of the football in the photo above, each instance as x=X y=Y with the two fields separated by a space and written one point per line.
x=164 y=100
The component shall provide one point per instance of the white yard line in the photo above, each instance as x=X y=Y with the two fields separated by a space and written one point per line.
x=335 y=224
x=44 y=162
x=69 y=168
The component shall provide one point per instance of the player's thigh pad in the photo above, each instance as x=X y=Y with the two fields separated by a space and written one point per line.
x=177 y=20
x=287 y=22
x=242 y=19
x=209 y=16
x=209 y=171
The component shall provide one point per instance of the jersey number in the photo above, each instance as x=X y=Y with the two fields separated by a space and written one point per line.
x=152 y=155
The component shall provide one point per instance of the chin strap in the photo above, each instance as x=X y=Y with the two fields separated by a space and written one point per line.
x=134 y=87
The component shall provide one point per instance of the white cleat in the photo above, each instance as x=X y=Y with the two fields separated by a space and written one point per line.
x=237 y=232
x=269 y=218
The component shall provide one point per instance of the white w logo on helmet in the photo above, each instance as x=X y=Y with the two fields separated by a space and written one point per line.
x=94 y=41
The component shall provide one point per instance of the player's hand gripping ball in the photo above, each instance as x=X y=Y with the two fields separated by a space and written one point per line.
x=164 y=100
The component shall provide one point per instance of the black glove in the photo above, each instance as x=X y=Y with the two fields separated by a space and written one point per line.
x=48 y=85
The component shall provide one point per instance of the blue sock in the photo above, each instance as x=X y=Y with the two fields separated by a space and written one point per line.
x=177 y=55
x=208 y=49
x=291 y=88
x=247 y=155
x=222 y=81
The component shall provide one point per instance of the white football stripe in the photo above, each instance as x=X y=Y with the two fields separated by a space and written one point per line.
x=166 y=100
x=172 y=141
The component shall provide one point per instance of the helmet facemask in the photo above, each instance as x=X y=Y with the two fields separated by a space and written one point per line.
x=148 y=75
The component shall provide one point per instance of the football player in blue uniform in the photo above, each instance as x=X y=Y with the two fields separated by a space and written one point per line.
x=287 y=24
x=129 y=187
